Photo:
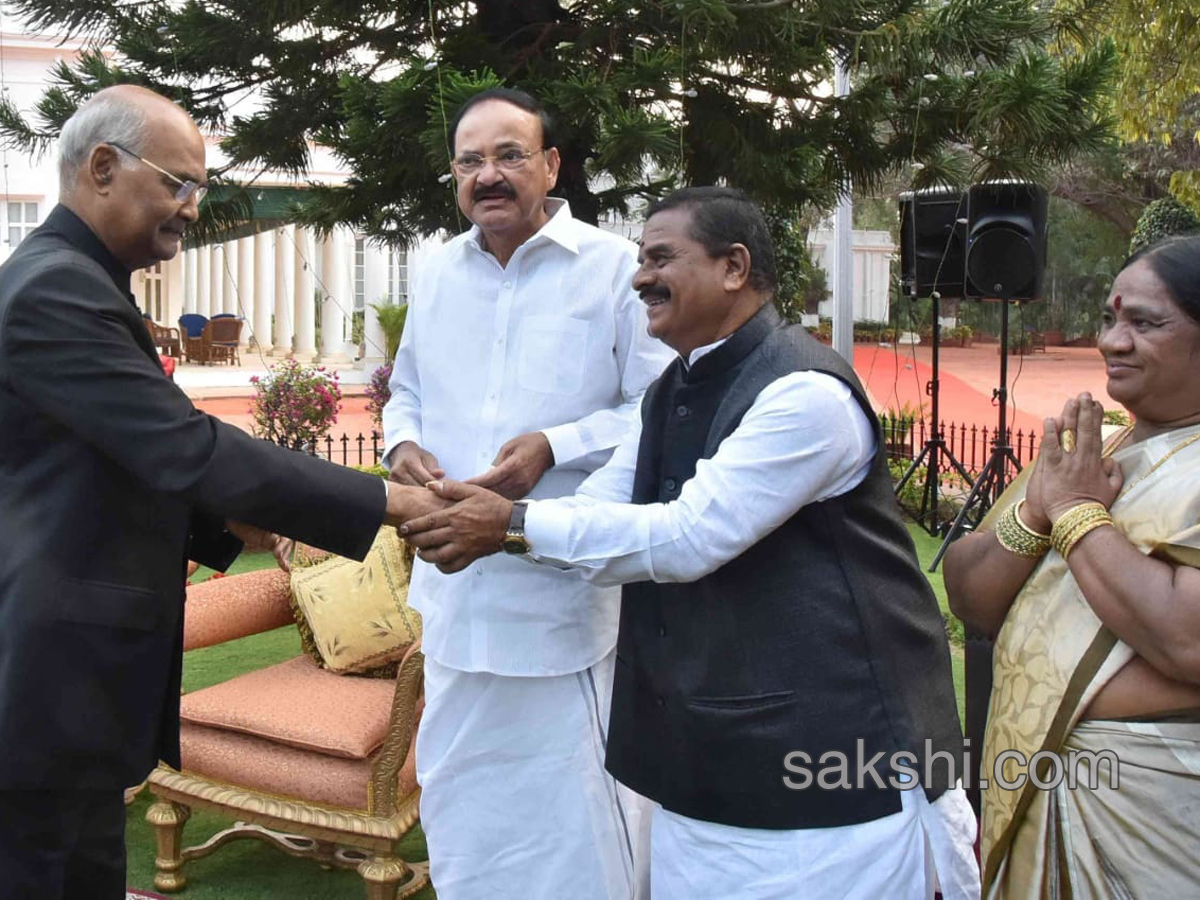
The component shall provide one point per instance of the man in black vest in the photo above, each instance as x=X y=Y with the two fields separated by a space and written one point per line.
x=783 y=683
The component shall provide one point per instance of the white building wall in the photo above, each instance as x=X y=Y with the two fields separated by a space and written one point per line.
x=872 y=252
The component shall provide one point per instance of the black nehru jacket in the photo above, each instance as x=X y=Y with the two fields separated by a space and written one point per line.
x=822 y=634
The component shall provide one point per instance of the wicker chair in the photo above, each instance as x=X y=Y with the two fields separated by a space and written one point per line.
x=166 y=339
x=222 y=335
x=292 y=752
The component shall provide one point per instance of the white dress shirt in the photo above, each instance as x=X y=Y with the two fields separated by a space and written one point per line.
x=555 y=342
x=803 y=440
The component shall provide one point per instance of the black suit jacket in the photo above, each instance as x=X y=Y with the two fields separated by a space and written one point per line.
x=109 y=480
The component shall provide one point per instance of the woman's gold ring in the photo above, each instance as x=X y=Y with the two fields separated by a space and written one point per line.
x=1068 y=440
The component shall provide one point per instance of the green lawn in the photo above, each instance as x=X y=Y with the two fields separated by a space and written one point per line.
x=927 y=548
x=248 y=870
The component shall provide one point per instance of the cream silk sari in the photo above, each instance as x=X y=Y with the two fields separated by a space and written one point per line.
x=1052 y=656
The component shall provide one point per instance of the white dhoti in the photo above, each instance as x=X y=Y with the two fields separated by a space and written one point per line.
x=516 y=803
x=903 y=856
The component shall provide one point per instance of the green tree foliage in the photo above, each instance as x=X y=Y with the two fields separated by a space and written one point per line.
x=1156 y=101
x=801 y=282
x=648 y=94
x=1163 y=218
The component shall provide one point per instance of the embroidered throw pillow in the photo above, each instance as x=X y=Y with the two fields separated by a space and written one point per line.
x=354 y=617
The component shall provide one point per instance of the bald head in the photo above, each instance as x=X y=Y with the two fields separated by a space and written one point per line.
x=120 y=115
x=127 y=158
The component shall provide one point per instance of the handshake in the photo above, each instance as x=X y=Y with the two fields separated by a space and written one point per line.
x=453 y=523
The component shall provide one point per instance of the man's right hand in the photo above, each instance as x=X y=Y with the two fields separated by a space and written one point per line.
x=414 y=466
x=405 y=503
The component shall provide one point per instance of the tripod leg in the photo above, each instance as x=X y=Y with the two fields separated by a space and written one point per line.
x=913 y=466
x=980 y=492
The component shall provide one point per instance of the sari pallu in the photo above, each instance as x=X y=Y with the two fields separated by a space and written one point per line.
x=1052 y=656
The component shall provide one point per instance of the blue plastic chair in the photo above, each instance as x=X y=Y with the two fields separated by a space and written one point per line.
x=192 y=327
x=193 y=324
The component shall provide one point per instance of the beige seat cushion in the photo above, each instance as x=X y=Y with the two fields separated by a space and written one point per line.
x=261 y=765
x=355 y=617
x=298 y=704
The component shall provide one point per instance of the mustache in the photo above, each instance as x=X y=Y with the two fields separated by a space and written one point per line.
x=658 y=292
x=483 y=192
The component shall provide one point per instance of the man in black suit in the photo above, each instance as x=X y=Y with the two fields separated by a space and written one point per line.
x=109 y=481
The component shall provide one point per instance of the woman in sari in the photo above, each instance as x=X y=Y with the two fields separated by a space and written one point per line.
x=1087 y=572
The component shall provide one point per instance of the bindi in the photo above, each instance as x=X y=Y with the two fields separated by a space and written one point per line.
x=1117 y=303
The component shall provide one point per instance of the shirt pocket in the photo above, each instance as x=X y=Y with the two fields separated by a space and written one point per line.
x=553 y=354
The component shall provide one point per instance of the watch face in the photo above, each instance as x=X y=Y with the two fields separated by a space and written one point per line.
x=515 y=544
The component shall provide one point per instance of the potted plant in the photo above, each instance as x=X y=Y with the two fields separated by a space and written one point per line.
x=1020 y=344
x=897 y=425
x=391 y=320
x=963 y=335
x=295 y=405
x=379 y=393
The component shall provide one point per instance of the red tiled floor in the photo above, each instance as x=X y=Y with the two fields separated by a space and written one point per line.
x=1038 y=383
x=352 y=420
x=894 y=376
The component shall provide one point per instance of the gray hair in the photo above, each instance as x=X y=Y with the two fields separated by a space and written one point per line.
x=103 y=119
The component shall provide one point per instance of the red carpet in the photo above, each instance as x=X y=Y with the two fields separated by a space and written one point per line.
x=895 y=379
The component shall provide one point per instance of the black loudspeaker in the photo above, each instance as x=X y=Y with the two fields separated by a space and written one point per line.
x=932 y=239
x=1006 y=241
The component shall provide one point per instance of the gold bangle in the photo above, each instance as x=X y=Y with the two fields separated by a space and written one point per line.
x=1066 y=530
x=1017 y=515
x=1075 y=523
x=1018 y=539
x=1081 y=531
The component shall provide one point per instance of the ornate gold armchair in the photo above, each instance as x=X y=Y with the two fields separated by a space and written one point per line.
x=318 y=764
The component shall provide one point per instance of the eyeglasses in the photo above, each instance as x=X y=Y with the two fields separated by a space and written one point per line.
x=508 y=161
x=187 y=189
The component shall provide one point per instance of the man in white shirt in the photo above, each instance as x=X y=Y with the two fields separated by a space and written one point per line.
x=774 y=620
x=523 y=359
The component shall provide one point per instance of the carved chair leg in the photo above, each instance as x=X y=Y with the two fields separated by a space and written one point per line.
x=168 y=819
x=383 y=876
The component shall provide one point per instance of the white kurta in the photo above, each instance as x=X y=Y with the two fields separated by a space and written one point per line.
x=516 y=802
x=804 y=439
x=555 y=342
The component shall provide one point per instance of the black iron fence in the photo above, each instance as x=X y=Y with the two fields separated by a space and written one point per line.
x=971 y=445
x=364 y=450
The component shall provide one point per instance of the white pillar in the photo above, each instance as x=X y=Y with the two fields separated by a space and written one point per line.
x=245 y=288
x=843 y=259
x=204 y=281
x=264 y=288
x=217 y=280
x=347 y=293
x=229 y=286
x=191 y=265
x=375 y=290
x=333 y=299
x=305 y=340
x=285 y=289
x=173 y=292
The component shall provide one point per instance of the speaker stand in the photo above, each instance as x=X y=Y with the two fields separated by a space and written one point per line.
x=934 y=454
x=994 y=476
